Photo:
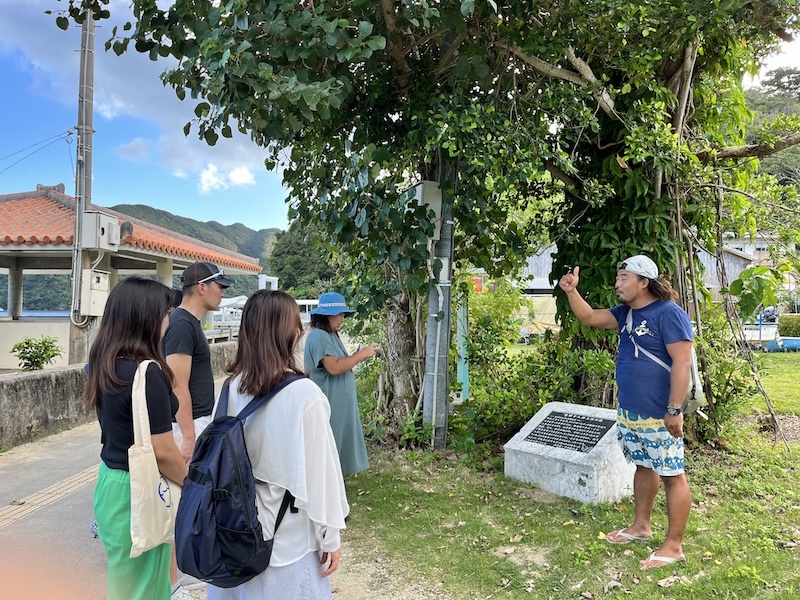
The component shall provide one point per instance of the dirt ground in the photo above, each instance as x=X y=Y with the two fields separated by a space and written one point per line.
x=789 y=427
x=366 y=574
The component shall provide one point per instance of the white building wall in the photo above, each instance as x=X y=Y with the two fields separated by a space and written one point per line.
x=12 y=332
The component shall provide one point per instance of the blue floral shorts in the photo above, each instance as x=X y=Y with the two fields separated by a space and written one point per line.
x=646 y=442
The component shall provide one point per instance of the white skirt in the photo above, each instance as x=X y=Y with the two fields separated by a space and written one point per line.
x=300 y=580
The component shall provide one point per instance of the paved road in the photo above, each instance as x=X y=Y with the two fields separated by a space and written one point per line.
x=46 y=547
x=47 y=550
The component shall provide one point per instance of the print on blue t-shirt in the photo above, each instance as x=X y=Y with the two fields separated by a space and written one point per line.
x=644 y=384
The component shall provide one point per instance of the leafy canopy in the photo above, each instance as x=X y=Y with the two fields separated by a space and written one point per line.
x=505 y=102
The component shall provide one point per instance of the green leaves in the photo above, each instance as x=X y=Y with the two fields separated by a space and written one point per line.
x=755 y=287
x=36 y=353
x=527 y=143
x=202 y=109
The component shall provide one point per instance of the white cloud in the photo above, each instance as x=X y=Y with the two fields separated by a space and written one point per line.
x=125 y=87
x=241 y=176
x=789 y=57
x=211 y=180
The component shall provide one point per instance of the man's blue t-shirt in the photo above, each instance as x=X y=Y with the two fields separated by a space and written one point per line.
x=644 y=384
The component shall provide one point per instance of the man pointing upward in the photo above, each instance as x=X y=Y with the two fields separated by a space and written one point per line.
x=649 y=417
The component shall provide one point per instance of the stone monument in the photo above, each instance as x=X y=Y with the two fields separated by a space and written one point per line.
x=571 y=450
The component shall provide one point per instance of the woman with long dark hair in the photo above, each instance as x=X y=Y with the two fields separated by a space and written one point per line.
x=291 y=447
x=134 y=321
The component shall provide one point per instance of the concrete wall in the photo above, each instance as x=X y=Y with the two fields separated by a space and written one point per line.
x=15 y=331
x=39 y=403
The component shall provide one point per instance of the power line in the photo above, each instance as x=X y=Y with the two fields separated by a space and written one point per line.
x=68 y=132
x=50 y=141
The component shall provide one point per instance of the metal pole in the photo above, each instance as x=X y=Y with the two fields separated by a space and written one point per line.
x=437 y=346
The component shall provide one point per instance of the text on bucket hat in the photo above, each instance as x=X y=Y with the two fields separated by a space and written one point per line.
x=204 y=272
x=331 y=304
x=640 y=265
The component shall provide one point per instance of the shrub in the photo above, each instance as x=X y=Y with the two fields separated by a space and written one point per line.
x=508 y=383
x=506 y=393
x=34 y=354
x=789 y=325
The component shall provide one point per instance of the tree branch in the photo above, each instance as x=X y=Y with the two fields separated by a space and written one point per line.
x=725 y=188
x=687 y=68
x=396 y=52
x=751 y=150
x=545 y=68
x=561 y=176
x=585 y=77
x=448 y=56
x=603 y=98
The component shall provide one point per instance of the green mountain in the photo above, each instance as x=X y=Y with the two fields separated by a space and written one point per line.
x=237 y=237
x=52 y=292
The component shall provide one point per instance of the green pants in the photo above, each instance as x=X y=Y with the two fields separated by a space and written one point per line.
x=145 y=577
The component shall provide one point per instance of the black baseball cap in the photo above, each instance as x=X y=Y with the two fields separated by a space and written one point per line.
x=204 y=272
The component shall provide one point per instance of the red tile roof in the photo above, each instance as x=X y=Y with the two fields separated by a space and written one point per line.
x=46 y=217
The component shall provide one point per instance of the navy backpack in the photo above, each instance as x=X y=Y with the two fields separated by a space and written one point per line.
x=218 y=538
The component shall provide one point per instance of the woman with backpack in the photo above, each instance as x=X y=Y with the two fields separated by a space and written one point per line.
x=134 y=321
x=291 y=448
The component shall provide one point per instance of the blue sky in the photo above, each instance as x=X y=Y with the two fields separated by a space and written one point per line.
x=140 y=153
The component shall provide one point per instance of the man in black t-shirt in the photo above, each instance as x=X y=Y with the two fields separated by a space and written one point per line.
x=187 y=352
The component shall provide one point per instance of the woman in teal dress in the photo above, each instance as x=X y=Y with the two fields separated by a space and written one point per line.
x=331 y=368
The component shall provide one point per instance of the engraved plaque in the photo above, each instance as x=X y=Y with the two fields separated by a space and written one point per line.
x=570 y=431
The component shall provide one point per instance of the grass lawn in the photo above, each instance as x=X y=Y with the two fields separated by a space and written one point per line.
x=781 y=379
x=474 y=534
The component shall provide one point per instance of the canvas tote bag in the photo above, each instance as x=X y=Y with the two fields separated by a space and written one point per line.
x=154 y=498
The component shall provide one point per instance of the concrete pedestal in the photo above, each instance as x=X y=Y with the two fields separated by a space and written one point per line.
x=571 y=450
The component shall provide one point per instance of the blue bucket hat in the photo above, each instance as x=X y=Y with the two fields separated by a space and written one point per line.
x=331 y=304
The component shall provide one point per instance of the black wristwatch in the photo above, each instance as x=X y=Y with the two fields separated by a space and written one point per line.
x=673 y=411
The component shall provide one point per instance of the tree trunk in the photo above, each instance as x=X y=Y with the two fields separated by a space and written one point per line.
x=402 y=362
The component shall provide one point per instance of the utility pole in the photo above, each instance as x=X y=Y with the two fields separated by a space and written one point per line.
x=83 y=183
x=78 y=350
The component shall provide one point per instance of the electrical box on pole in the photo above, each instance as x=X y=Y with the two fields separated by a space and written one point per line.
x=94 y=292
x=428 y=193
x=100 y=231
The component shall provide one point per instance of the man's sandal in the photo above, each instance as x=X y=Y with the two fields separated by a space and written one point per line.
x=664 y=560
x=626 y=538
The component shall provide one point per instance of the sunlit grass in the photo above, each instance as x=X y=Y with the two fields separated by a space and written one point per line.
x=781 y=379
x=480 y=535
x=470 y=533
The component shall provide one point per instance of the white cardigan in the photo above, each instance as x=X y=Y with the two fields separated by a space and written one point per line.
x=291 y=446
